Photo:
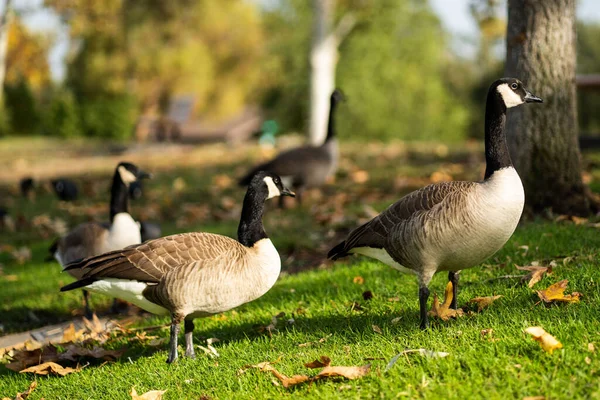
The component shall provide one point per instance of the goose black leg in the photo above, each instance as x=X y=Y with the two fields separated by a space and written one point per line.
x=173 y=341
x=86 y=302
x=453 y=277
x=423 y=297
x=189 y=339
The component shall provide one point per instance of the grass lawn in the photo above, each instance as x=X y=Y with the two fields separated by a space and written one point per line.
x=325 y=300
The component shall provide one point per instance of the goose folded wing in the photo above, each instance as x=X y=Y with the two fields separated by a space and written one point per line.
x=375 y=232
x=149 y=261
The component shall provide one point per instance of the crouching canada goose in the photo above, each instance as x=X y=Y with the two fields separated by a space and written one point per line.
x=307 y=166
x=451 y=226
x=195 y=274
x=93 y=238
x=65 y=189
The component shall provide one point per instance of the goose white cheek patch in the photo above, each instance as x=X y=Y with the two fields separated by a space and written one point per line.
x=126 y=176
x=273 y=190
x=511 y=99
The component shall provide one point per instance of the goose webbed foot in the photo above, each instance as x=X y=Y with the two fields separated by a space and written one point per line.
x=423 y=297
x=189 y=339
x=453 y=277
x=173 y=341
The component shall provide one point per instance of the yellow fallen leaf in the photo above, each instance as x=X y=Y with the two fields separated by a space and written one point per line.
x=23 y=395
x=323 y=362
x=359 y=280
x=535 y=274
x=555 y=292
x=71 y=335
x=443 y=310
x=151 y=395
x=483 y=302
x=548 y=342
x=50 y=368
x=534 y=398
x=346 y=372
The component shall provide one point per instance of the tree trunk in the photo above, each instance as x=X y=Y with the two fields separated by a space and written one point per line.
x=543 y=139
x=323 y=58
x=4 y=25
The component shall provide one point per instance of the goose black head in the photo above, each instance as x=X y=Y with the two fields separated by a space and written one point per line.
x=270 y=184
x=337 y=96
x=130 y=173
x=513 y=93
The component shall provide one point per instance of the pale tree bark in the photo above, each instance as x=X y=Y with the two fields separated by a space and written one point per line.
x=4 y=25
x=323 y=60
x=543 y=138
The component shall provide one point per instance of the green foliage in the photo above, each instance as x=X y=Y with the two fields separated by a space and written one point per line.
x=62 y=116
x=588 y=62
x=21 y=107
x=109 y=118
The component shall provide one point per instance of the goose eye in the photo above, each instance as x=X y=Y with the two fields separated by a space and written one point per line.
x=514 y=86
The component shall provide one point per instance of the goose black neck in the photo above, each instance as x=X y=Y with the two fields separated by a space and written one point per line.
x=119 y=196
x=251 y=228
x=496 y=149
x=331 y=123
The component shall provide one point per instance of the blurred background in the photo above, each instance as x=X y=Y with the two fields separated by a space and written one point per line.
x=190 y=70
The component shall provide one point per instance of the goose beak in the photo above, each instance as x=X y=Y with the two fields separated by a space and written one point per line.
x=144 y=175
x=529 y=98
x=287 y=192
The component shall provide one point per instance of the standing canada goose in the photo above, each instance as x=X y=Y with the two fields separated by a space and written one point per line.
x=451 y=226
x=65 y=189
x=307 y=166
x=27 y=186
x=194 y=274
x=93 y=238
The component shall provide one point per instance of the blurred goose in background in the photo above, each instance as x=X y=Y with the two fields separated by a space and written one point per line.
x=26 y=186
x=305 y=167
x=451 y=226
x=93 y=238
x=65 y=189
x=193 y=274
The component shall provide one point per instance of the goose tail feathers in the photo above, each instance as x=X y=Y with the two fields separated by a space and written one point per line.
x=338 y=251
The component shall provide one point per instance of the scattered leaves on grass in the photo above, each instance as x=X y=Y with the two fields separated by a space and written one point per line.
x=483 y=302
x=151 y=395
x=547 y=341
x=71 y=335
x=23 y=395
x=327 y=371
x=322 y=340
x=324 y=361
x=443 y=310
x=50 y=368
x=536 y=273
x=571 y=218
x=555 y=292
x=272 y=326
x=422 y=352
x=209 y=349
x=75 y=352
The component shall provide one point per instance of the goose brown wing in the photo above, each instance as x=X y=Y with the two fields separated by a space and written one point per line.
x=83 y=241
x=375 y=232
x=149 y=261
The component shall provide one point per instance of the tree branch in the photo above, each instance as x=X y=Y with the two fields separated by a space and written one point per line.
x=344 y=27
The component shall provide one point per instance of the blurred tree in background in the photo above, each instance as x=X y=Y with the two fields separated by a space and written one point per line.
x=588 y=62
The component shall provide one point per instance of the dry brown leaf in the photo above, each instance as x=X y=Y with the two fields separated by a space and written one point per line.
x=483 y=302
x=23 y=395
x=377 y=329
x=71 y=335
x=359 y=280
x=50 y=368
x=24 y=358
x=346 y=372
x=443 y=310
x=151 y=395
x=548 y=342
x=534 y=398
x=75 y=351
x=555 y=292
x=572 y=218
x=323 y=362
x=535 y=274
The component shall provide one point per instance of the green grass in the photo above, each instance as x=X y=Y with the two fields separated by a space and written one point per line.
x=322 y=303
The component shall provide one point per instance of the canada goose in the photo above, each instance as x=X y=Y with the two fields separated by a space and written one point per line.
x=93 y=238
x=65 y=189
x=194 y=274
x=26 y=185
x=451 y=226
x=307 y=166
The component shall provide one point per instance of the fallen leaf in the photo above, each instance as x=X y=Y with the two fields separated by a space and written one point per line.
x=487 y=332
x=360 y=176
x=423 y=352
x=444 y=311
x=547 y=341
x=24 y=395
x=377 y=329
x=151 y=395
x=323 y=362
x=591 y=347
x=359 y=280
x=75 y=351
x=588 y=360
x=555 y=292
x=71 y=335
x=50 y=368
x=535 y=274
x=346 y=372
x=534 y=398
x=483 y=302
x=572 y=218
x=25 y=358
